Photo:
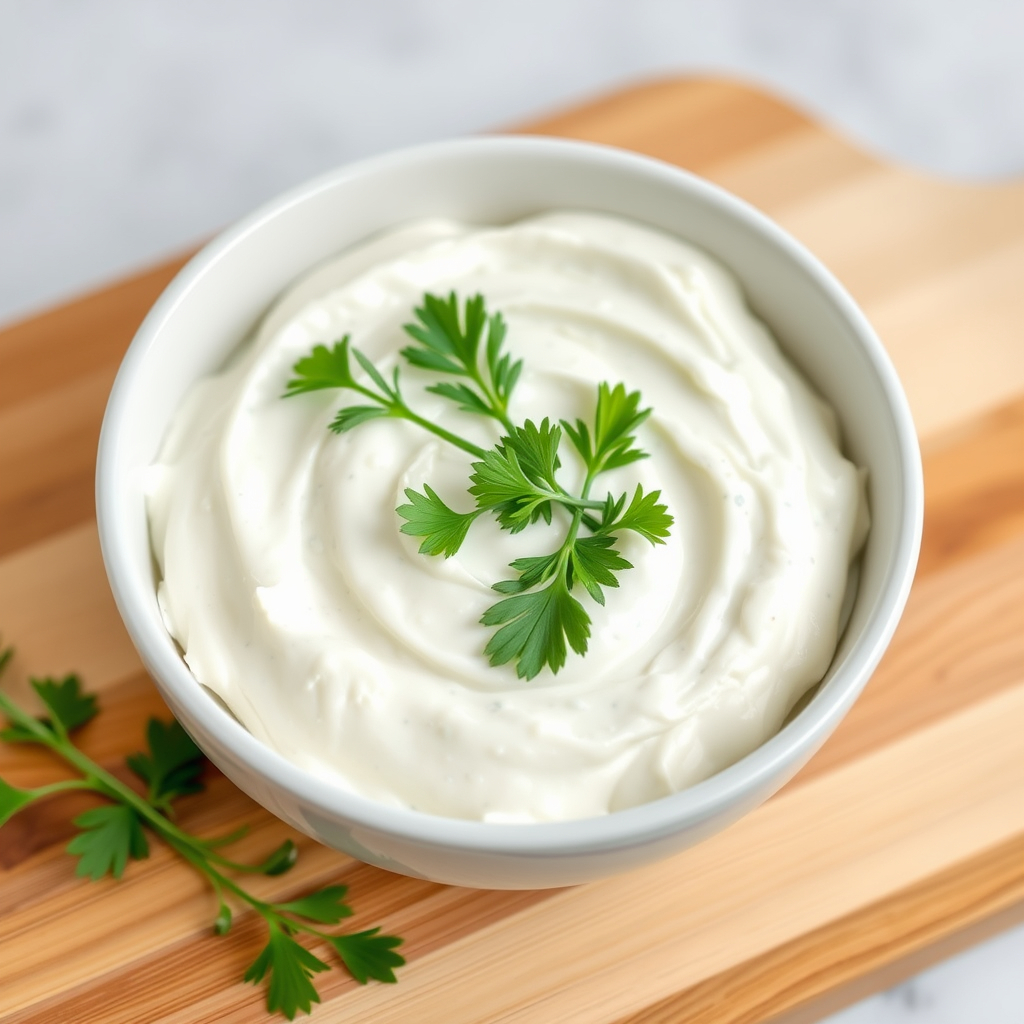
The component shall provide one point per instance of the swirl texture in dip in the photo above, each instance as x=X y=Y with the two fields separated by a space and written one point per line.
x=297 y=601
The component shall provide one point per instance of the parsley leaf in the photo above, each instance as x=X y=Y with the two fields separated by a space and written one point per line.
x=323 y=368
x=330 y=368
x=616 y=419
x=536 y=449
x=442 y=529
x=594 y=563
x=449 y=342
x=354 y=415
x=326 y=906
x=645 y=515
x=612 y=507
x=280 y=861
x=369 y=955
x=447 y=345
x=533 y=570
x=535 y=627
x=504 y=372
x=374 y=374
x=110 y=836
x=291 y=966
x=69 y=708
x=499 y=482
x=12 y=800
x=464 y=397
x=173 y=765
x=19 y=733
x=516 y=478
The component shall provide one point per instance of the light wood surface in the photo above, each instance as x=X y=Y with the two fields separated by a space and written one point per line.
x=902 y=840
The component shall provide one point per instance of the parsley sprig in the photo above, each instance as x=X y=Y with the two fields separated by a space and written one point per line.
x=516 y=480
x=331 y=368
x=114 y=833
x=451 y=345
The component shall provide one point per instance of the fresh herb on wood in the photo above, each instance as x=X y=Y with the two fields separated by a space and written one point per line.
x=516 y=480
x=114 y=833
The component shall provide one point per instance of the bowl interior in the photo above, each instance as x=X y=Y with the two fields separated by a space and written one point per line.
x=218 y=297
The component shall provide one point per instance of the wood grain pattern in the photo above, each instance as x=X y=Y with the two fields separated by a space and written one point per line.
x=58 y=369
x=901 y=839
x=848 y=949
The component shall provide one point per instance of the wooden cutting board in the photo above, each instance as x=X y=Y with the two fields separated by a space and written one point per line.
x=902 y=841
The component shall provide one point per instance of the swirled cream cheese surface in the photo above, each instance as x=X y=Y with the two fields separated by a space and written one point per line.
x=296 y=600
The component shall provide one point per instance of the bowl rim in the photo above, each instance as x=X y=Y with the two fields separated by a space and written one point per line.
x=635 y=826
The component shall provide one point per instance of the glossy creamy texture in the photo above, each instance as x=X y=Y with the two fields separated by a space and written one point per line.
x=297 y=601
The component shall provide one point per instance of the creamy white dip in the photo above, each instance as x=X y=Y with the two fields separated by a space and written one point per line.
x=297 y=601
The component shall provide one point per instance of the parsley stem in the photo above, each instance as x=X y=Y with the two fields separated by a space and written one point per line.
x=592 y=472
x=564 y=497
x=310 y=930
x=27 y=722
x=61 y=787
x=227 y=862
x=98 y=780
x=219 y=882
x=395 y=405
x=101 y=781
x=404 y=412
x=380 y=399
x=184 y=848
x=111 y=786
x=231 y=837
x=498 y=408
x=570 y=537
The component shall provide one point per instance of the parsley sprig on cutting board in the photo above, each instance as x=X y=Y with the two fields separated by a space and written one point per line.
x=516 y=480
x=112 y=834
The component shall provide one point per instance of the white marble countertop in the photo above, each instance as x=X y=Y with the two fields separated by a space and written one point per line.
x=131 y=130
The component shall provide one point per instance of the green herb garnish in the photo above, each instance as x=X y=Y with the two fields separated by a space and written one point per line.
x=114 y=833
x=515 y=480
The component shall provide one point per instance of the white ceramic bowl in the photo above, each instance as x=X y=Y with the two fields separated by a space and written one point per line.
x=219 y=295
